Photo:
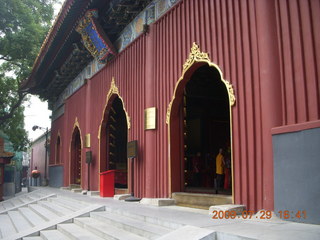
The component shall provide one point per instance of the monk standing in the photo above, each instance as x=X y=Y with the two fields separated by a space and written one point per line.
x=219 y=169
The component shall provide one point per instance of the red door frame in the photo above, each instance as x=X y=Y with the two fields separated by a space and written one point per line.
x=76 y=159
x=176 y=141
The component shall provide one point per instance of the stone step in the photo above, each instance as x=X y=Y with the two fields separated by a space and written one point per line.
x=20 y=200
x=76 y=190
x=37 y=194
x=167 y=223
x=6 y=226
x=25 y=203
x=31 y=216
x=66 y=204
x=71 y=186
x=7 y=205
x=135 y=226
x=33 y=238
x=56 y=208
x=190 y=233
x=61 y=202
x=93 y=193
x=20 y=223
x=105 y=230
x=201 y=199
x=118 y=191
x=53 y=235
x=43 y=212
x=31 y=198
x=52 y=224
x=74 y=231
x=16 y=201
x=24 y=199
x=75 y=202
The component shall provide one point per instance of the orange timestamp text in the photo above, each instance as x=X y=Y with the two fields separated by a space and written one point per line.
x=286 y=214
x=263 y=214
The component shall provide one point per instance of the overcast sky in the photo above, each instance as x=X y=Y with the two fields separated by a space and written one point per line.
x=36 y=112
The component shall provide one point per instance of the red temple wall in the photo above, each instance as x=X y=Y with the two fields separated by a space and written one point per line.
x=252 y=54
x=58 y=129
x=38 y=155
x=128 y=71
x=227 y=30
x=299 y=48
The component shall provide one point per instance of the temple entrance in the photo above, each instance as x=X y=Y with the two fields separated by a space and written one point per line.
x=115 y=132
x=75 y=166
x=206 y=129
x=199 y=127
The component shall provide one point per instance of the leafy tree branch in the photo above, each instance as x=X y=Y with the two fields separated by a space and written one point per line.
x=23 y=27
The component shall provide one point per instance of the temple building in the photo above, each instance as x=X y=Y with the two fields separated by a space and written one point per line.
x=182 y=79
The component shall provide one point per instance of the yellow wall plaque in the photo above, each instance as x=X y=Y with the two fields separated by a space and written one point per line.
x=150 y=118
x=87 y=142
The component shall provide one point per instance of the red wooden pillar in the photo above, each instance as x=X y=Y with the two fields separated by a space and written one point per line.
x=150 y=140
x=87 y=167
x=270 y=90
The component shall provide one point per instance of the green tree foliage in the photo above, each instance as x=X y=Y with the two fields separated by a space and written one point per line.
x=23 y=27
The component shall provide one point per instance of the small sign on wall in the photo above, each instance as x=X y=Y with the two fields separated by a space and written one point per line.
x=87 y=142
x=150 y=118
x=132 y=149
x=89 y=157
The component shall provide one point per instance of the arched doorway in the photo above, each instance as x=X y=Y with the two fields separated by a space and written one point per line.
x=206 y=129
x=113 y=143
x=199 y=125
x=58 y=150
x=75 y=166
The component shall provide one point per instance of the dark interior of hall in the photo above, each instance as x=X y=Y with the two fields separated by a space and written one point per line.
x=76 y=158
x=117 y=143
x=206 y=129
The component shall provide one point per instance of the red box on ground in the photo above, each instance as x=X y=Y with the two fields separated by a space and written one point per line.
x=107 y=183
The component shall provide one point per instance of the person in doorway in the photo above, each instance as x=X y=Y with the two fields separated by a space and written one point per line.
x=219 y=170
x=196 y=169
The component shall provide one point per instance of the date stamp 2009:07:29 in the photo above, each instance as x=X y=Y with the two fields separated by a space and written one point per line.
x=263 y=214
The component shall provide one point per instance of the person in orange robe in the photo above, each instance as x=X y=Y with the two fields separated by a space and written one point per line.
x=219 y=170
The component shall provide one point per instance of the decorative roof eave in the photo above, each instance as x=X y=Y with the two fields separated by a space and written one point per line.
x=64 y=11
x=62 y=34
x=93 y=36
x=49 y=38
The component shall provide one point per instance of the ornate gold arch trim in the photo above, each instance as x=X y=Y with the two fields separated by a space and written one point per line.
x=113 y=90
x=76 y=125
x=197 y=56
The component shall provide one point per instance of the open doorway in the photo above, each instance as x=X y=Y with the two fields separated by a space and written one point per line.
x=199 y=127
x=115 y=144
x=206 y=129
x=75 y=166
